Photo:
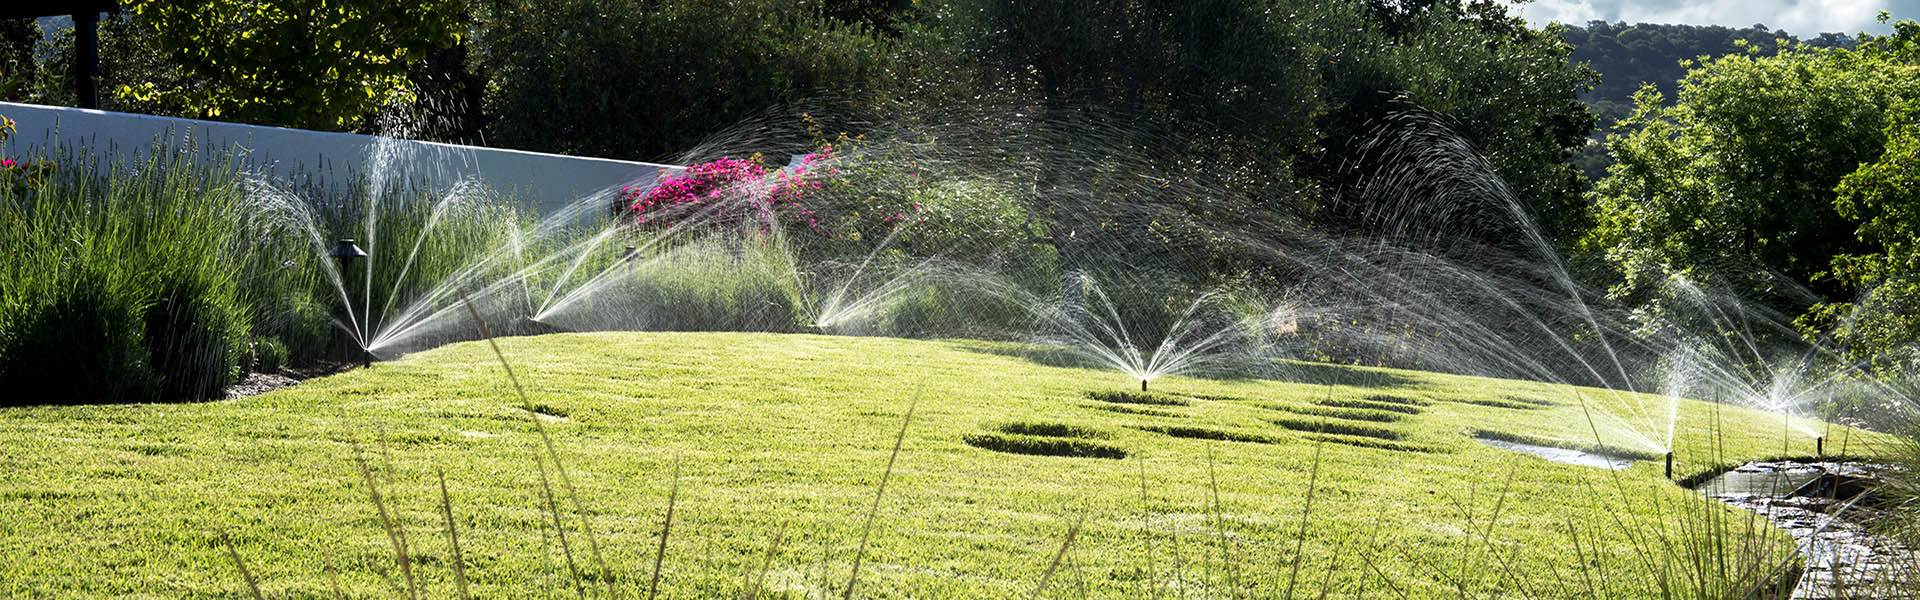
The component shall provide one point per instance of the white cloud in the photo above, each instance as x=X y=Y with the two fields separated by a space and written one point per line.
x=1800 y=17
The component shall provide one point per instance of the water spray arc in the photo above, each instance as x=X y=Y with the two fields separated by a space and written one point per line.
x=346 y=252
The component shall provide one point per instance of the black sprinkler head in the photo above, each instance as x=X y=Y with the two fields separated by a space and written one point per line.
x=1669 y=465
x=345 y=252
x=1819 y=445
x=1143 y=385
x=630 y=254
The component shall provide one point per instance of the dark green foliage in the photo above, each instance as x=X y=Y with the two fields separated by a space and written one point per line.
x=129 y=55
x=649 y=81
x=196 y=332
x=147 y=283
x=265 y=355
x=314 y=64
x=1478 y=72
x=1735 y=187
x=74 y=335
x=18 y=68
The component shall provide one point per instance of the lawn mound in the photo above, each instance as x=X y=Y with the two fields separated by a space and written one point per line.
x=779 y=449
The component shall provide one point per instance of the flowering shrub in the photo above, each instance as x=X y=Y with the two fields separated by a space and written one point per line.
x=21 y=176
x=728 y=191
x=836 y=211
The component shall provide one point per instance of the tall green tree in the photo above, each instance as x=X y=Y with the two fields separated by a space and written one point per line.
x=1735 y=182
x=1881 y=326
x=649 y=81
x=315 y=64
x=1177 y=88
x=18 y=69
x=1505 y=89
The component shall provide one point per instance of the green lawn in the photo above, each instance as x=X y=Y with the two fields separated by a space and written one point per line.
x=766 y=430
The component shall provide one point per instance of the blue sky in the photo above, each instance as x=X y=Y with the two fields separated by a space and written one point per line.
x=1802 y=18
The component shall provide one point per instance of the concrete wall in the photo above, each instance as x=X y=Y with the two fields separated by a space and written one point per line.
x=325 y=159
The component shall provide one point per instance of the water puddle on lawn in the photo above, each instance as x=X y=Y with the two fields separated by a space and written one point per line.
x=1827 y=507
x=1560 y=455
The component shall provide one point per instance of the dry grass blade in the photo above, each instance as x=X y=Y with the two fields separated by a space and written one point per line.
x=453 y=536
x=333 y=576
x=766 y=563
x=1300 y=544
x=396 y=536
x=244 y=573
x=666 y=527
x=1058 y=556
x=866 y=533
x=1146 y=536
x=546 y=439
x=560 y=531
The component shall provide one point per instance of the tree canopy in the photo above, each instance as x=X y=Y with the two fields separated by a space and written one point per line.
x=1775 y=175
x=317 y=64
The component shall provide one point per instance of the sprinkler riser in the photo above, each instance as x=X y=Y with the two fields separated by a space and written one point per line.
x=1669 y=465
x=1819 y=445
x=1143 y=385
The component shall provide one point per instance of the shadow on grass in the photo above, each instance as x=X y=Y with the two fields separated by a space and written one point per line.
x=1242 y=369
x=1044 y=446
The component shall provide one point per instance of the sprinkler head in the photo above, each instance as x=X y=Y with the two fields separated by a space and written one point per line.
x=631 y=253
x=1143 y=385
x=1669 y=465
x=1819 y=445
x=345 y=252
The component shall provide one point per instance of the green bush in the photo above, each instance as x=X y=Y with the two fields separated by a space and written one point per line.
x=266 y=355
x=73 y=333
x=196 y=332
x=138 y=283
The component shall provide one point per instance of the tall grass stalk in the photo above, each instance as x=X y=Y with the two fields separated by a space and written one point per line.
x=766 y=562
x=396 y=535
x=873 y=512
x=553 y=454
x=453 y=535
x=1054 y=565
x=666 y=529
x=252 y=586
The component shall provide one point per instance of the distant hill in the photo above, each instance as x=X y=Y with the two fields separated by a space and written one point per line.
x=1627 y=56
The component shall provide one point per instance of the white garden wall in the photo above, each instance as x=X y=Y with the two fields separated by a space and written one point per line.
x=298 y=156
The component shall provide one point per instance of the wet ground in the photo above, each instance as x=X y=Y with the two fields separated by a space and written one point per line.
x=1825 y=509
x=1561 y=455
x=254 y=384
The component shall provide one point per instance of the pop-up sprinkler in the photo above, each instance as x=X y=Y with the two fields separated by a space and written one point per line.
x=345 y=251
x=1819 y=445
x=1143 y=385
x=1669 y=465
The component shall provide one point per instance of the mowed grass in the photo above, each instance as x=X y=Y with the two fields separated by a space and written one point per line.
x=771 y=432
